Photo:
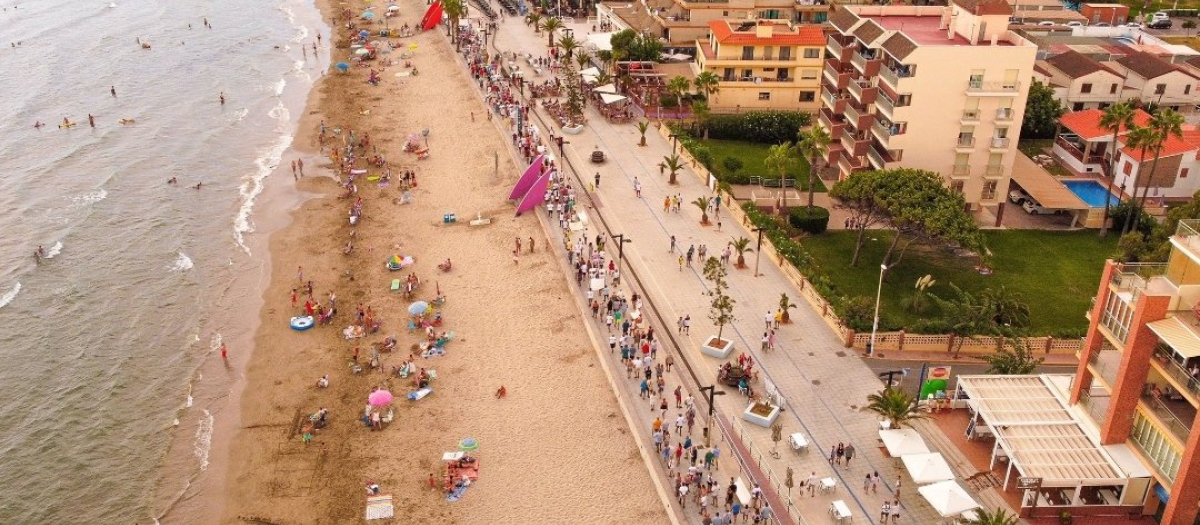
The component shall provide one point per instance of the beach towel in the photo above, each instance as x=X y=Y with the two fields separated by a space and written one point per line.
x=419 y=394
x=456 y=494
x=380 y=507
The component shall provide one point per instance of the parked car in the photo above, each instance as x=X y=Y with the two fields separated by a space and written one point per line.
x=1046 y=23
x=1074 y=23
x=1018 y=196
x=1102 y=24
x=1033 y=208
x=1160 y=24
x=1161 y=15
x=1132 y=24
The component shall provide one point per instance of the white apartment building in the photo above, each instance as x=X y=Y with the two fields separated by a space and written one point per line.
x=940 y=88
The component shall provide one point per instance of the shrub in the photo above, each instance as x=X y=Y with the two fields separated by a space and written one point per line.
x=858 y=313
x=668 y=101
x=812 y=220
x=732 y=164
x=703 y=155
x=767 y=127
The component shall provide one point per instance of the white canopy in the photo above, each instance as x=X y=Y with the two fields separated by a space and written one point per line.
x=601 y=41
x=607 y=88
x=610 y=98
x=948 y=498
x=903 y=441
x=589 y=79
x=927 y=467
x=590 y=72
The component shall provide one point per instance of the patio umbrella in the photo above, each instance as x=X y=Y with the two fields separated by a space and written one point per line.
x=607 y=88
x=343 y=67
x=367 y=15
x=902 y=441
x=948 y=498
x=364 y=33
x=379 y=398
x=928 y=467
x=468 y=444
x=418 y=308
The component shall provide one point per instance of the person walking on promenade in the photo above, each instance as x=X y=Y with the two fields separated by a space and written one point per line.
x=672 y=248
x=811 y=483
x=841 y=452
x=849 y=454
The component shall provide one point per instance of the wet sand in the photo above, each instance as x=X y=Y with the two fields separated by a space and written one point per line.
x=556 y=450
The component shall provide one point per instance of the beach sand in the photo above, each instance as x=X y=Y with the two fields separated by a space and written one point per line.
x=556 y=450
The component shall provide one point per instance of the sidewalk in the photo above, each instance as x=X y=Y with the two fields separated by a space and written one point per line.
x=822 y=384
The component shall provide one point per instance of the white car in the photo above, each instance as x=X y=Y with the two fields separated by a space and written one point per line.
x=1046 y=23
x=1033 y=208
x=1161 y=15
x=1132 y=24
x=1017 y=196
x=1074 y=23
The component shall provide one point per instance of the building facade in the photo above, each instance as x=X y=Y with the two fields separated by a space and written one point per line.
x=1080 y=82
x=763 y=65
x=1139 y=369
x=681 y=22
x=940 y=88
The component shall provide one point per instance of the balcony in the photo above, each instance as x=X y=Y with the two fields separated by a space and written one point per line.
x=836 y=49
x=993 y=171
x=848 y=164
x=883 y=134
x=1096 y=405
x=832 y=123
x=1004 y=114
x=885 y=105
x=877 y=159
x=960 y=171
x=834 y=77
x=853 y=116
x=996 y=89
x=860 y=58
x=756 y=80
x=1176 y=416
x=1075 y=151
x=1106 y=363
x=1187 y=235
x=1130 y=280
x=969 y=115
x=998 y=143
x=1176 y=372
x=894 y=77
x=967 y=143
x=987 y=195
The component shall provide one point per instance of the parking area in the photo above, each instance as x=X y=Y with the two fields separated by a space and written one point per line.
x=1038 y=200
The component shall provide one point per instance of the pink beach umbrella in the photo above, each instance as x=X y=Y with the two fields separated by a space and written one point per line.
x=380 y=398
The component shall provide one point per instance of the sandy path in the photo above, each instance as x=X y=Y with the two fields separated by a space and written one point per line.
x=555 y=451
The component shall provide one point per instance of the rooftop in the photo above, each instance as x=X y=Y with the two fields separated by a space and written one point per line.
x=1086 y=123
x=924 y=30
x=752 y=34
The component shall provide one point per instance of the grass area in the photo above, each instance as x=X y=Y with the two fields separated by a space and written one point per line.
x=1034 y=147
x=753 y=154
x=1190 y=41
x=1056 y=273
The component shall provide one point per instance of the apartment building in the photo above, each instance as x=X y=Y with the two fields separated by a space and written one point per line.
x=763 y=64
x=681 y=22
x=940 y=88
x=1139 y=370
x=1080 y=82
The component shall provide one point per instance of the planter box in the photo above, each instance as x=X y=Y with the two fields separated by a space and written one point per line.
x=758 y=419
x=572 y=130
x=710 y=348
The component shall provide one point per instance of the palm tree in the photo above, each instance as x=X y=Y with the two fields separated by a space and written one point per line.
x=643 y=126
x=741 y=245
x=702 y=203
x=1143 y=139
x=895 y=405
x=454 y=10
x=1006 y=307
x=550 y=26
x=673 y=164
x=567 y=46
x=785 y=304
x=996 y=517
x=582 y=59
x=605 y=56
x=707 y=83
x=813 y=145
x=679 y=86
x=1166 y=123
x=1116 y=117
x=779 y=158
x=604 y=78
x=535 y=20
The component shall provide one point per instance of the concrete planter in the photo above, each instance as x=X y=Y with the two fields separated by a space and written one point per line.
x=572 y=130
x=714 y=348
x=758 y=419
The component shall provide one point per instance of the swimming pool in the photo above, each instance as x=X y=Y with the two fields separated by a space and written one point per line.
x=1091 y=192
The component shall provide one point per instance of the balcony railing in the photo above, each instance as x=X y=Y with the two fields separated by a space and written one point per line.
x=1074 y=151
x=1136 y=277
x=1097 y=406
x=1001 y=88
x=852 y=115
x=834 y=47
x=1188 y=234
x=883 y=134
x=758 y=80
x=1106 y=363
x=856 y=86
x=1181 y=429
x=970 y=114
x=987 y=195
x=1004 y=114
x=1177 y=372
x=832 y=74
x=960 y=171
x=860 y=58
x=999 y=143
x=993 y=171
x=965 y=142
x=876 y=159
x=884 y=105
x=893 y=76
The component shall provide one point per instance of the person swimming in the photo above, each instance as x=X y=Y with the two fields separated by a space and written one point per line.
x=172 y=180
x=39 y=253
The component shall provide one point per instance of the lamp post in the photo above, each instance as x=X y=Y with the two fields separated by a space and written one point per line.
x=875 y=325
x=757 y=249
x=712 y=393
x=621 y=240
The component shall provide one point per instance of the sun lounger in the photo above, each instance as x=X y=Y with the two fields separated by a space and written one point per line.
x=419 y=394
x=380 y=507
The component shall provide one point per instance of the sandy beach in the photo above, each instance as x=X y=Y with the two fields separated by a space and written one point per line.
x=555 y=450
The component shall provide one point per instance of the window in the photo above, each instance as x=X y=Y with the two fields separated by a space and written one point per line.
x=977 y=78
x=809 y=96
x=1127 y=168
x=1187 y=90
x=747 y=53
x=1112 y=90
x=1116 y=316
x=1086 y=88
x=785 y=53
x=956 y=186
x=1160 y=89
x=812 y=53
x=728 y=75
x=747 y=74
x=989 y=190
x=1183 y=173
x=768 y=52
x=808 y=74
x=764 y=95
x=1078 y=106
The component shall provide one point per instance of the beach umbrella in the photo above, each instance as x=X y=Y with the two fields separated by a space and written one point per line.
x=362 y=52
x=343 y=67
x=393 y=7
x=380 y=398
x=418 y=308
x=368 y=15
x=364 y=33
x=468 y=444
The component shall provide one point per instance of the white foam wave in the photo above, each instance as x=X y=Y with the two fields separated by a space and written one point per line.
x=203 y=442
x=253 y=185
x=12 y=294
x=54 y=250
x=280 y=113
x=183 y=263
x=279 y=87
x=240 y=114
x=89 y=198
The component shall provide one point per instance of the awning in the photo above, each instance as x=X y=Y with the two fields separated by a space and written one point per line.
x=610 y=98
x=607 y=88
x=601 y=41
x=927 y=468
x=590 y=72
x=902 y=441
x=1043 y=187
x=948 y=498
x=589 y=79
x=1174 y=332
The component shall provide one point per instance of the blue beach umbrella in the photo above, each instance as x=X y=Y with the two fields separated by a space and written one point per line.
x=468 y=444
x=418 y=308
x=368 y=15
x=344 y=67
x=364 y=33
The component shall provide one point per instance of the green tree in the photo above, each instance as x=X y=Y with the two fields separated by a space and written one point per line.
x=1041 y=112
x=741 y=245
x=646 y=48
x=606 y=57
x=702 y=116
x=966 y=316
x=1006 y=307
x=622 y=41
x=721 y=307
x=896 y=406
x=575 y=100
x=643 y=126
x=732 y=165
x=535 y=20
x=993 y=517
x=679 y=86
x=673 y=164
x=1013 y=358
x=707 y=83
x=1142 y=139
x=785 y=304
x=779 y=159
x=454 y=10
x=813 y=146
x=1166 y=124
x=550 y=25
x=702 y=203
x=1116 y=117
x=1189 y=25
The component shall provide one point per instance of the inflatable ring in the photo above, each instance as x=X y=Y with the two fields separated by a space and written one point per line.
x=301 y=323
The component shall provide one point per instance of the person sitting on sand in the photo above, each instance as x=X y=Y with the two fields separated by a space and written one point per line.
x=502 y=392
x=372 y=488
x=323 y=382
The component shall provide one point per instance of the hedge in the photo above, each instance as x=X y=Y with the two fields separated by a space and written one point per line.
x=767 y=127
x=813 y=220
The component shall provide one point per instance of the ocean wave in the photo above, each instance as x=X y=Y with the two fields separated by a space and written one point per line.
x=54 y=250
x=89 y=198
x=240 y=114
x=12 y=294
x=183 y=263
x=279 y=87
x=203 y=443
x=253 y=186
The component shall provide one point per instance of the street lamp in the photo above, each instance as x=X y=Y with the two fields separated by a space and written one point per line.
x=758 y=249
x=621 y=240
x=875 y=325
x=712 y=393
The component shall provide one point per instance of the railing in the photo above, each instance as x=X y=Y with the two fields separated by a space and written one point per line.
x=882 y=133
x=987 y=195
x=875 y=158
x=757 y=80
x=753 y=58
x=832 y=74
x=1178 y=427
x=961 y=171
x=999 y=143
x=965 y=142
x=970 y=114
x=1155 y=447
x=855 y=87
x=1107 y=362
x=1004 y=114
x=859 y=59
x=884 y=105
x=1135 y=277
x=852 y=115
x=1097 y=406
x=1074 y=151
x=978 y=86
x=1187 y=231
x=1177 y=372
x=993 y=171
x=892 y=76
x=834 y=47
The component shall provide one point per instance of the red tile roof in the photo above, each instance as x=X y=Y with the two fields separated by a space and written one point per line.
x=1086 y=123
x=1173 y=146
x=802 y=35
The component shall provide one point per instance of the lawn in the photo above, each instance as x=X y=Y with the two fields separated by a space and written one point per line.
x=1034 y=147
x=753 y=155
x=1055 y=273
x=1190 y=41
